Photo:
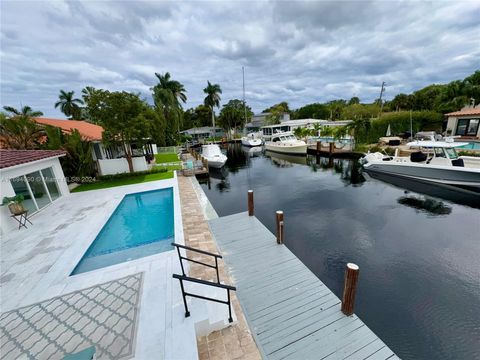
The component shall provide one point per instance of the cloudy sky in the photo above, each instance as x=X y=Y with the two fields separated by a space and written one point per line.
x=300 y=52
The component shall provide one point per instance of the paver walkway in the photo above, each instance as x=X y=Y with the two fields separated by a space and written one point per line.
x=236 y=341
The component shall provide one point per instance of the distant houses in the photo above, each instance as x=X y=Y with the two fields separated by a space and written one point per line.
x=203 y=132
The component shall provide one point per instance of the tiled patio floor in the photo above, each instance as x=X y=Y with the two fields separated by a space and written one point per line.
x=103 y=316
x=236 y=341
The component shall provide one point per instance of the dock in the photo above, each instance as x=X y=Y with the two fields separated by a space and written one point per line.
x=290 y=312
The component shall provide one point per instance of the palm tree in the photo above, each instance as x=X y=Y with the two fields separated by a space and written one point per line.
x=25 y=111
x=212 y=99
x=69 y=105
x=168 y=95
x=19 y=130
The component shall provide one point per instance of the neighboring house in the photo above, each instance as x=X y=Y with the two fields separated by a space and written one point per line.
x=291 y=125
x=109 y=159
x=35 y=174
x=260 y=120
x=203 y=132
x=465 y=123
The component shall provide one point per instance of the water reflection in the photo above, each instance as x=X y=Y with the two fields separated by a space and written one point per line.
x=285 y=160
x=447 y=193
x=430 y=206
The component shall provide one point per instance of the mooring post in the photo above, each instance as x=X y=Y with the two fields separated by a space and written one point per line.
x=319 y=146
x=250 y=203
x=279 y=216
x=349 y=288
x=331 y=147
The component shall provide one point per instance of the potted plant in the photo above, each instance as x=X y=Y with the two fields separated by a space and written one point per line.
x=14 y=204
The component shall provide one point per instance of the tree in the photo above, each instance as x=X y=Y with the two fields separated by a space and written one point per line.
x=312 y=111
x=232 y=115
x=78 y=162
x=198 y=117
x=168 y=95
x=124 y=117
x=283 y=106
x=354 y=100
x=18 y=130
x=69 y=105
x=212 y=100
x=336 y=107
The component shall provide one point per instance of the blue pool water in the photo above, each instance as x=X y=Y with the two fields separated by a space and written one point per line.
x=141 y=225
x=471 y=146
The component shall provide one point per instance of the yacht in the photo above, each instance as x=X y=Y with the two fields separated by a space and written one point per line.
x=215 y=157
x=432 y=161
x=286 y=143
x=251 y=140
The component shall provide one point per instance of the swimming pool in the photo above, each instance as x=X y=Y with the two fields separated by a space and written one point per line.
x=141 y=225
x=471 y=146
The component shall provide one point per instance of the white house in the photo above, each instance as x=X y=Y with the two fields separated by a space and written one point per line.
x=35 y=174
x=109 y=159
x=465 y=123
x=291 y=125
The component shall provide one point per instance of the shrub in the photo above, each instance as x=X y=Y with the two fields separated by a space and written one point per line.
x=129 y=175
x=400 y=122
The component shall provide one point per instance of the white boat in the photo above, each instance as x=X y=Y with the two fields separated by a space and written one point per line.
x=251 y=140
x=434 y=161
x=214 y=156
x=286 y=143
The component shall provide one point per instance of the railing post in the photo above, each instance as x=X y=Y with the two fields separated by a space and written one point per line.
x=279 y=216
x=349 y=288
x=187 y=313
x=230 y=319
x=250 y=203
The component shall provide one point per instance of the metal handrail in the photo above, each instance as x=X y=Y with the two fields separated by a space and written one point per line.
x=229 y=288
x=216 y=256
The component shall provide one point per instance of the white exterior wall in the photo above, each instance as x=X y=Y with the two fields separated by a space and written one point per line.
x=6 y=188
x=155 y=150
x=118 y=166
x=452 y=124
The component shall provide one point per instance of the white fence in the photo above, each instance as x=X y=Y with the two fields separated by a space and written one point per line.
x=168 y=149
x=117 y=166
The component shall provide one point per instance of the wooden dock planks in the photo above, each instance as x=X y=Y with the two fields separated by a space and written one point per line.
x=291 y=313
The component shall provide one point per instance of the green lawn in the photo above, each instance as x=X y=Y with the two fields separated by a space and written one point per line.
x=124 y=181
x=166 y=158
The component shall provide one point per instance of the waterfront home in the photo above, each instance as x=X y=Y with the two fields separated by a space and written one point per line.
x=465 y=123
x=204 y=132
x=291 y=125
x=260 y=120
x=34 y=174
x=109 y=159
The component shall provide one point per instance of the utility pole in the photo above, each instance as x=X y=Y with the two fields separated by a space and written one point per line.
x=244 y=104
x=382 y=90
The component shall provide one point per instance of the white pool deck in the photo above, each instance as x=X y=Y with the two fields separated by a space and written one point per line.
x=36 y=263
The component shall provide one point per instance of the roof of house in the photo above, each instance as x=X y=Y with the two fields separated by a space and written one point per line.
x=87 y=130
x=9 y=158
x=465 y=112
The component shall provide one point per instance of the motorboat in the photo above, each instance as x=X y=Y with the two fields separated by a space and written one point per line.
x=251 y=140
x=431 y=161
x=286 y=143
x=214 y=156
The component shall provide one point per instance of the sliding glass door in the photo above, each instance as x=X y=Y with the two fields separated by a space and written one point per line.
x=38 y=188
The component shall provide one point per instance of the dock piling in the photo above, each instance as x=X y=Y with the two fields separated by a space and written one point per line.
x=331 y=148
x=349 y=288
x=279 y=216
x=319 y=146
x=250 y=203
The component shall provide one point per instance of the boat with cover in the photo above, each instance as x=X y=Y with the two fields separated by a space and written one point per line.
x=286 y=143
x=251 y=140
x=215 y=157
x=433 y=161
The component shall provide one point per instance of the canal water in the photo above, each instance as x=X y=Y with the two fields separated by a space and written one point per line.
x=419 y=255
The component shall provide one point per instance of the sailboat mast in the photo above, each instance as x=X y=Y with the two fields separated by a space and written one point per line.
x=244 y=105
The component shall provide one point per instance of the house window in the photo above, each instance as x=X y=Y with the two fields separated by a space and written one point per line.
x=467 y=127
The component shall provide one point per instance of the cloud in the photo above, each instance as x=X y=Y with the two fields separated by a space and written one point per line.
x=294 y=51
